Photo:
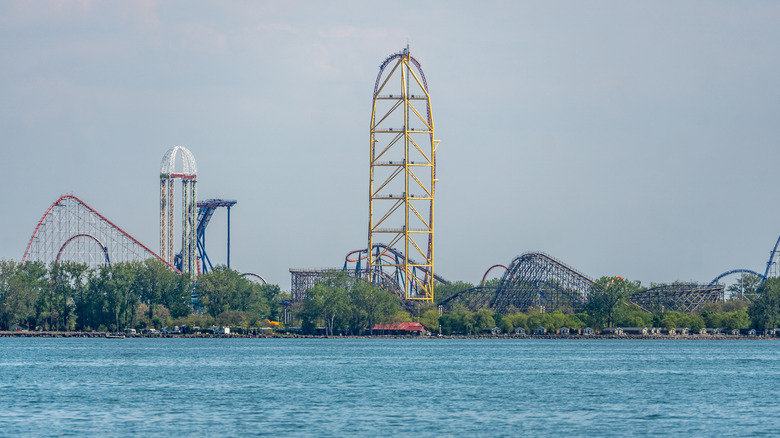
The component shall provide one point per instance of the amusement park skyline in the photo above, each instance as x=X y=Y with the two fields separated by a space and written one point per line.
x=631 y=139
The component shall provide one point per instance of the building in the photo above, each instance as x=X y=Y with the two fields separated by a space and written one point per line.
x=494 y=331
x=402 y=328
x=19 y=327
x=637 y=331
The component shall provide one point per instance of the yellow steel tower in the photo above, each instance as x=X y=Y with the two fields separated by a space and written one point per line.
x=403 y=175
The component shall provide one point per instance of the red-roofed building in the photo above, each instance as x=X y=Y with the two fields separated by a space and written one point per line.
x=402 y=328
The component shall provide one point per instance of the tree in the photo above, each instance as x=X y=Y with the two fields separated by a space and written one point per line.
x=443 y=291
x=746 y=286
x=765 y=310
x=738 y=319
x=631 y=315
x=606 y=295
x=696 y=323
x=20 y=285
x=483 y=319
x=328 y=301
x=223 y=289
x=506 y=325
x=112 y=290
x=370 y=305
x=156 y=284
x=67 y=283
x=430 y=319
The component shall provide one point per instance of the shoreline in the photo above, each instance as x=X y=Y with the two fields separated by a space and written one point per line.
x=110 y=335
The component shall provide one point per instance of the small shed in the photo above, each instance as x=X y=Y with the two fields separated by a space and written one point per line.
x=617 y=331
x=541 y=331
x=493 y=331
x=520 y=331
x=19 y=327
x=637 y=331
x=587 y=331
x=563 y=331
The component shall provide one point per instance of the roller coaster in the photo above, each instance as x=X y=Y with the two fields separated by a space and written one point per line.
x=537 y=281
x=402 y=176
x=388 y=275
x=533 y=280
x=72 y=230
x=401 y=197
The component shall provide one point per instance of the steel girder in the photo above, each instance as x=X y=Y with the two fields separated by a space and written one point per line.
x=536 y=279
x=532 y=280
x=403 y=173
x=678 y=297
x=71 y=230
x=304 y=279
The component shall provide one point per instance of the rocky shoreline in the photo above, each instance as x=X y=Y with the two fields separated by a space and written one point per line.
x=49 y=334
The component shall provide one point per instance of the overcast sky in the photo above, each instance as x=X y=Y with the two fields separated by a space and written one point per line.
x=624 y=138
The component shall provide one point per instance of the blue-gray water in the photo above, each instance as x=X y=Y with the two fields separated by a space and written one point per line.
x=382 y=387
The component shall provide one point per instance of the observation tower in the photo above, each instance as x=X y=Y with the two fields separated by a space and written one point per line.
x=187 y=175
x=403 y=175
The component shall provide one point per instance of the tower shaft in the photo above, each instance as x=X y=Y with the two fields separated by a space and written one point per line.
x=402 y=175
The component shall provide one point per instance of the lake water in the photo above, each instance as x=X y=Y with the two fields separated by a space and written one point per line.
x=388 y=387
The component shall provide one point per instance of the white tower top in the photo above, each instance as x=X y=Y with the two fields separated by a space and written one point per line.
x=168 y=165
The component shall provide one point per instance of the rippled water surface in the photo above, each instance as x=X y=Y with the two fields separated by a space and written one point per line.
x=398 y=387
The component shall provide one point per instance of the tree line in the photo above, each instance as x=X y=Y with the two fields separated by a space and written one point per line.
x=753 y=304
x=70 y=296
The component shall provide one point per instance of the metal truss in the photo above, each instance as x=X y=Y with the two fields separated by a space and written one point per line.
x=473 y=299
x=304 y=279
x=773 y=265
x=72 y=230
x=533 y=280
x=188 y=175
x=392 y=268
x=254 y=277
x=736 y=271
x=205 y=212
x=678 y=297
x=403 y=173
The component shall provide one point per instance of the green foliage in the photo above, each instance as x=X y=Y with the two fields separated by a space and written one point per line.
x=506 y=325
x=459 y=322
x=765 y=310
x=69 y=296
x=630 y=315
x=746 y=287
x=430 y=319
x=606 y=298
x=347 y=305
x=483 y=319
x=443 y=291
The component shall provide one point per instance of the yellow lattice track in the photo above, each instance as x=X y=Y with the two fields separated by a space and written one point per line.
x=403 y=175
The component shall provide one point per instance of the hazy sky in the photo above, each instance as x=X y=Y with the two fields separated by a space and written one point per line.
x=623 y=138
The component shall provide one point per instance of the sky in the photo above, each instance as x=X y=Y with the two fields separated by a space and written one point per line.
x=623 y=138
